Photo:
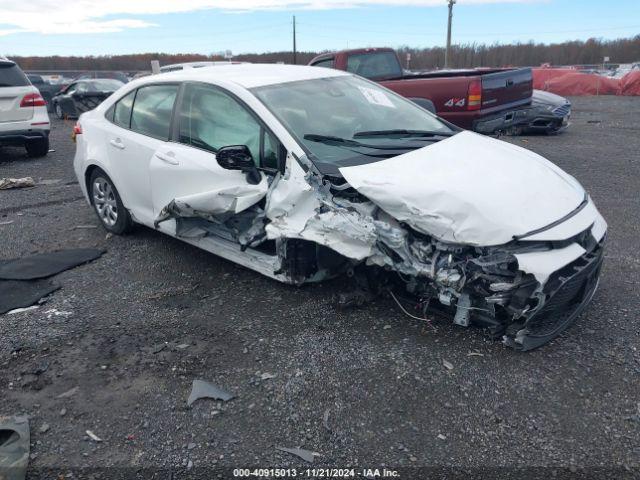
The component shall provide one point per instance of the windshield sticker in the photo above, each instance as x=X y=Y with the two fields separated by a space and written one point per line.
x=376 y=97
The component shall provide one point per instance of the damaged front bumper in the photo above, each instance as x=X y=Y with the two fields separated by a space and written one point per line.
x=531 y=119
x=568 y=291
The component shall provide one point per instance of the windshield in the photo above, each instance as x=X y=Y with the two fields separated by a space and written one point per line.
x=346 y=120
x=105 y=85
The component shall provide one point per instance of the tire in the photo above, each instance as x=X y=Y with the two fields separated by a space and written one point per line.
x=58 y=110
x=37 y=148
x=111 y=212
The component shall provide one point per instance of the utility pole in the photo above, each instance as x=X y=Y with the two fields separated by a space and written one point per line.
x=294 y=41
x=447 y=52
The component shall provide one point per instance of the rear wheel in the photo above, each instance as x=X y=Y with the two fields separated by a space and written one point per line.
x=106 y=201
x=37 y=148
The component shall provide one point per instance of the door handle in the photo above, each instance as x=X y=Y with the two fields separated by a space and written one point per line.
x=117 y=143
x=169 y=158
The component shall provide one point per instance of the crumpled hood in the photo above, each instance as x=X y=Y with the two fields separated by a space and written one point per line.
x=469 y=189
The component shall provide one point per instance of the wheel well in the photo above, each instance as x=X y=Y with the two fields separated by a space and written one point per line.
x=87 y=179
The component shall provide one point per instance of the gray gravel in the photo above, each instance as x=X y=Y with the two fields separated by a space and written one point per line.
x=364 y=388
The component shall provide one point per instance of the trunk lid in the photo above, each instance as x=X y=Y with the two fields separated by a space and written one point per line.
x=509 y=87
x=469 y=189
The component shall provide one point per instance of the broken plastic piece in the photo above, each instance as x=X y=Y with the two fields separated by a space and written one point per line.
x=93 y=436
x=14 y=447
x=202 y=389
x=305 y=455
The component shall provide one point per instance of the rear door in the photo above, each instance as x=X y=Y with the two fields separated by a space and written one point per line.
x=509 y=88
x=186 y=170
x=140 y=125
x=14 y=85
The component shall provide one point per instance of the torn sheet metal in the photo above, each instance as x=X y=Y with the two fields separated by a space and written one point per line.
x=15 y=442
x=228 y=200
x=543 y=264
x=438 y=189
x=296 y=208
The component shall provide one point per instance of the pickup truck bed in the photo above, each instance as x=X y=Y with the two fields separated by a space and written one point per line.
x=485 y=100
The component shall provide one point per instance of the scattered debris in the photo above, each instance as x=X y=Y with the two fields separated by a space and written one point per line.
x=15 y=294
x=325 y=419
x=63 y=412
x=49 y=181
x=84 y=227
x=202 y=389
x=15 y=441
x=183 y=346
x=447 y=365
x=441 y=437
x=44 y=265
x=7 y=183
x=267 y=376
x=305 y=455
x=7 y=222
x=69 y=393
x=594 y=121
x=93 y=436
x=53 y=312
x=44 y=428
x=158 y=348
x=475 y=354
x=22 y=310
x=21 y=283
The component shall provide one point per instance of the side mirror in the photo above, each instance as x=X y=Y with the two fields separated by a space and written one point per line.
x=238 y=157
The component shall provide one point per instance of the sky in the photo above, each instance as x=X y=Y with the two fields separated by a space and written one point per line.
x=110 y=27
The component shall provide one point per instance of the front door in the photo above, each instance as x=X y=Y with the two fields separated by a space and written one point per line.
x=186 y=171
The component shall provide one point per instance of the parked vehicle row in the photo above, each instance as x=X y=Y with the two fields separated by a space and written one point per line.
x=484 y=100
x=304 y=173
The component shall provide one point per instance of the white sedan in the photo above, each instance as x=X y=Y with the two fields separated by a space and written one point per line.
x=304 y=173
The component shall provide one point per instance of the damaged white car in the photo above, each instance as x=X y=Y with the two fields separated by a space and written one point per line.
x=304 y=173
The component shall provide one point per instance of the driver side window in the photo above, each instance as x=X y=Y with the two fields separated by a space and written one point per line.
x=210 y=119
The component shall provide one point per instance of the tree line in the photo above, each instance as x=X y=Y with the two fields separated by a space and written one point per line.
x=589 y=52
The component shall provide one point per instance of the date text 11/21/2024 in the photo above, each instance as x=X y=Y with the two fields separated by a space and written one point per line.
x=316 y=473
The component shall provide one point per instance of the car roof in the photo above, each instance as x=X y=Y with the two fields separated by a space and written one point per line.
x=249 y=75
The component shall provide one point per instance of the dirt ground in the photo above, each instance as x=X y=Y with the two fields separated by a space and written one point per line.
x=364 y=388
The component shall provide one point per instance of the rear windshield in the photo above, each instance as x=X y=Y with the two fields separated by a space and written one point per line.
x=12 y=76
x=376 y=65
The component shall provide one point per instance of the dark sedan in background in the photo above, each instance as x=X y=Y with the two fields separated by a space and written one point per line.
x=83 y=95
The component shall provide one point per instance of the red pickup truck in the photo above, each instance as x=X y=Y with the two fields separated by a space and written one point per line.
x=487 y=100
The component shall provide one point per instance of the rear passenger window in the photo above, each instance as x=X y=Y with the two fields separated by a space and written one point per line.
x=152 y=110
x=326 y=63
x=122 y=112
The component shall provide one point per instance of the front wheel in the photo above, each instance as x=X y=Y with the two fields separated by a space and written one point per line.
x=106 y=201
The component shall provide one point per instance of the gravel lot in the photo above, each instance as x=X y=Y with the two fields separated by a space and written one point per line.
x=364 y=388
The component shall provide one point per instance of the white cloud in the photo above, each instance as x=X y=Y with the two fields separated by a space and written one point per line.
x=88 y=16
